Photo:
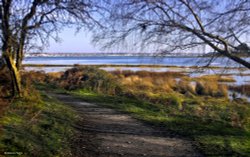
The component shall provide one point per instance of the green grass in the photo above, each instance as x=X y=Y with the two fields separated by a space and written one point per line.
x=213 y=133
x=37 y=127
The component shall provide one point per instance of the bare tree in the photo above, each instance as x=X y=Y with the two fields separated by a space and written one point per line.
x=174 y=25
x=25 y=22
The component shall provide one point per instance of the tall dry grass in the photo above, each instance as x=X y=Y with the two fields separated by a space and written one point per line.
x=216 y=78
x=168 y=82
x=211 y=88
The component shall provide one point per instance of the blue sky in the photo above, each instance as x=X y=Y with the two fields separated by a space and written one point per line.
x=72 y=42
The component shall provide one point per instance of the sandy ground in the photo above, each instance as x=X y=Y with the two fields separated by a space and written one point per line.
x=104 y=132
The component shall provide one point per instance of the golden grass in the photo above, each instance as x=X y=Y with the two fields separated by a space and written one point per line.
x=167 y=82
x=144 y=73
x=211 y=88
x=218 y=78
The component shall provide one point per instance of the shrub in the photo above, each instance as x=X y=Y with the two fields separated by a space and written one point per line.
x=90 y=78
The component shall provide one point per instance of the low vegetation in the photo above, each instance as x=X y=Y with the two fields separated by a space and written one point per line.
x=194 y=108
x=35 y=125
x=217 y=78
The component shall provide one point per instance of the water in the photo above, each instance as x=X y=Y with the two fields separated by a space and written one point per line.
x=130 y=60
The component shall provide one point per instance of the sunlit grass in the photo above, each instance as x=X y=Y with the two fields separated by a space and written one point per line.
x=37 y=127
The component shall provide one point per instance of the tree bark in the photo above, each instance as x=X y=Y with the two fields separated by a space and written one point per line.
x=19 y=58
x=15 y=77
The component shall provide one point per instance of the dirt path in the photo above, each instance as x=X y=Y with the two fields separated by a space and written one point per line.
x=105 y=132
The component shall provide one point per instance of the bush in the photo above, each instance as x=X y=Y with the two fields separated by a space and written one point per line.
x=90 y=78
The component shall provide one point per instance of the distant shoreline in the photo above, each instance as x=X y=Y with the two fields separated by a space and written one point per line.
x=126 y=65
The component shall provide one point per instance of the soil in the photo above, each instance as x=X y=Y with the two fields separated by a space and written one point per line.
x=105 y=132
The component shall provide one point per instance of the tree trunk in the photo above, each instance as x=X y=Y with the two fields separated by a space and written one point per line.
x=15 y=77
x=19 y=58
x=19 y=51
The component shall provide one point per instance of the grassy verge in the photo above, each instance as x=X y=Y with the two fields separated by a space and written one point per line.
x=214 y=137
x=36 y=127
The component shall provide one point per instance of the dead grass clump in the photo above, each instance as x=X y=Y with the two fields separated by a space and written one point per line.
x=185 y=87
x=148 y=83
x=144 y=73
x=165 y=88
x=217 y=78
x=135 y=83
x=211 y=89
x=226 y=79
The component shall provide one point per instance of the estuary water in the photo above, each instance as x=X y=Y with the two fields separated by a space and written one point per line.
x=131 y=60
